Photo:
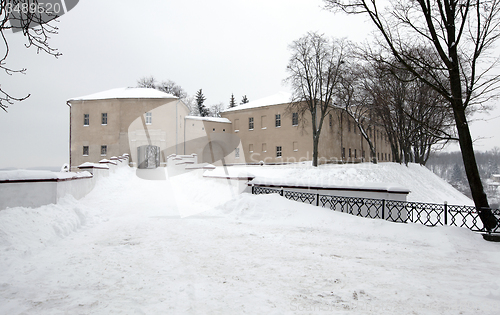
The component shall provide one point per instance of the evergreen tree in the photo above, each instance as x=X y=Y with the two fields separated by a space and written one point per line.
x=232 y=102
x=200 y=99
x=244 y=100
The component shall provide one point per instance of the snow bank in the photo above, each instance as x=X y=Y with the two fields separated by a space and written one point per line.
x=26 y=230
x=424 y=185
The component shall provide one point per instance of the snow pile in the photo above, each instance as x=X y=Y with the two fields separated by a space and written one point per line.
x=424 y=185
x=26 y=230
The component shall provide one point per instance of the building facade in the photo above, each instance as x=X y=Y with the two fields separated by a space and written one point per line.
x=118 y=121
x=136 y=120
x=271 y=133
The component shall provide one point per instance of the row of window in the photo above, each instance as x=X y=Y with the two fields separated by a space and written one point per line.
x=279 y=149
x=104 y=119
x=352 y=153
x=104 y=150
x=277 y=121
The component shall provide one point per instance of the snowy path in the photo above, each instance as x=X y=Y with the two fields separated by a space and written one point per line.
x=252 y=255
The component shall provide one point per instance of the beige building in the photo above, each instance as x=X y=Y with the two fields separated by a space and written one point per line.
x=150 y=125
x=270 y=133
x=119 y=121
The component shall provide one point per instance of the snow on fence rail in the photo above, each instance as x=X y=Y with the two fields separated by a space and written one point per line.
x=428 y=214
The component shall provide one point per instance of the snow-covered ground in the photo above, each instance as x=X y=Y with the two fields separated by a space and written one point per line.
x=125 y=249
x=424 y=186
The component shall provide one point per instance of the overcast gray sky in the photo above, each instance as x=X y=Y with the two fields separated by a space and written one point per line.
x=221 y=46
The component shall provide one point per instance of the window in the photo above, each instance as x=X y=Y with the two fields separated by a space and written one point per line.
x=104 y=150
x=250 y=123
x=264 y=147
x=236 y=125
x=86 y=119
x=213 y=129
x=355 y=153
x=237 y=152
x=104 y=119
x=149 y=118
x=349 y=126
x=85 y=150
x=343 y=152
x=364 y=154
x=263 y=122
x=250 y=147
x=330 y=120
x=278 y=151
x=295 y=146
x=349 y=152
x=278 y=120
x=295 y=119
x=223 y=130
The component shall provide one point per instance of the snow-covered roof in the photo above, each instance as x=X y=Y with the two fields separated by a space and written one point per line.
x=213 y=119
x=128 y=92
x=276 y=99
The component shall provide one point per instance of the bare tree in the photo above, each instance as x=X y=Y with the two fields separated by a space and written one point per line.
x=171 y=87
x=353 y=98
x=216 y=109
x=414 y=116
x=461 y=33
x=34 y=26
x=147 y=82
x=314 y=74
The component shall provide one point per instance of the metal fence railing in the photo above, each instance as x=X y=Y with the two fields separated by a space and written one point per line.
x=428 y=214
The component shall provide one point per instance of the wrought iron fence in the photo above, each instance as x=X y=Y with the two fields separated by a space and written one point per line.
x=428 y=214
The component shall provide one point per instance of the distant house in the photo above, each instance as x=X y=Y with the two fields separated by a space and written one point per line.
x=495 y=178
x=119 y=121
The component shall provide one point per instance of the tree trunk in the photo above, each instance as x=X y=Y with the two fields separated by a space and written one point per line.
x=472 y=172
x=315 y=149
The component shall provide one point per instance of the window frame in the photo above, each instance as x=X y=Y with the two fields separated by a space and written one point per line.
x=279 y=151
x=104 y=119
x=149 y=118
x=251 y=123
x=85 y=148
x=295 y=119
x=105 y=149
x=86 y=119
x=277 y=120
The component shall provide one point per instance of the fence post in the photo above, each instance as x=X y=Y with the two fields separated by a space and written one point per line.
x=317 y=200
x=383 y=209
x=281 y=192
x=446 y=213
